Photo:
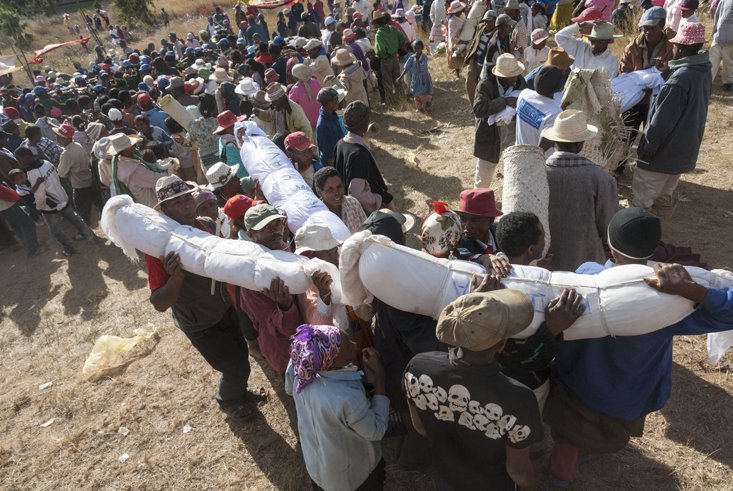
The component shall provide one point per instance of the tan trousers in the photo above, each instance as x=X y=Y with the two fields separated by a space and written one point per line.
x=719 y=54
x=484 y=175
x=473 y=74
x=650 y=187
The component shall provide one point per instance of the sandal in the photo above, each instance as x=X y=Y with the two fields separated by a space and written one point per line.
x=240 y=412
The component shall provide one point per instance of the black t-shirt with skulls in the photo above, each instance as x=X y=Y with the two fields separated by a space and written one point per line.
x=471 y=412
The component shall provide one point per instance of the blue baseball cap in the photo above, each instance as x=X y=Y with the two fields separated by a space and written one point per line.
x=126 y=64
x=29 y=97
x=251 y=50
x=143 y=86
x=98 y=88
x=241 y=42
x=222 y=43
x=102 y=73
x=79 y=80
x=189 y=51
x=145 y=68
x=655 y=16
x=144 y=59
x=278 y=40
x=198 y=51
x=162 y=82
x=39 y=90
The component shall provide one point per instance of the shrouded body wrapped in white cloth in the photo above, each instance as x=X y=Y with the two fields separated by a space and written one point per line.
x=132 y=226
x=282 y=184
x=416 y=282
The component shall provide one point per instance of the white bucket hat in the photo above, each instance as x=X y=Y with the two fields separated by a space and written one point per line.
x=220 y=173
x=312 y=44
x=570 y=126
x=507 y=66
x=302 y=72
x=343 y=57
x=220 y=75
x=246 y=87
x=314 y=237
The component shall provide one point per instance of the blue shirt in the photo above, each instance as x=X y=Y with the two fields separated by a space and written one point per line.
x=328 y=132
x=231 y=152
x=630 y=376
x=156 y=117
x=339 y=427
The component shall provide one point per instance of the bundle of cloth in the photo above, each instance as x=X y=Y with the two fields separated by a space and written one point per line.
x=281 y=183
x=413 y=281
x=134 y=227
x=629 y=88
x=505 y=116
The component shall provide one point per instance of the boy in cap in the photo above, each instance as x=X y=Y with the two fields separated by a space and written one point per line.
x=274 y=311
x=207 y=320
x=300 y=151
x=602 y=389
x=74 y=165
x=328 y=127
x=479 y=423
x=676 y=122
x=593 y=54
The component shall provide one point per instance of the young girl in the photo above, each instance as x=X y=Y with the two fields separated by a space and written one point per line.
x=421 y=83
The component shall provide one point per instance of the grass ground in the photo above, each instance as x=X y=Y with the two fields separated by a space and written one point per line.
x=53 y=309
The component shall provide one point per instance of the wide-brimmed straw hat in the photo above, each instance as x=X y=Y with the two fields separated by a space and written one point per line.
x=570 y=127
x=456 y=6
x=507 y=66
x=220 y=75
x=171 y=187
x=343 y=57
x=119 y=142
x=603 y=31
x=560 y=58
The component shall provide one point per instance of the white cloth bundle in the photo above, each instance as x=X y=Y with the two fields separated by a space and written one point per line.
x=628 y=88
x=478 y=9
x=416 y=282
x=282 y=184
x=525 y=184
x=133 y=226
x=505 y=116
x=718 y=344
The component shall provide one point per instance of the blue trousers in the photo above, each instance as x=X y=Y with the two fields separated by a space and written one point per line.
x=23 y=227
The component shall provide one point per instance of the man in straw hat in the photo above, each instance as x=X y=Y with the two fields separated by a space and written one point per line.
x=208 y=320
x=578 y=189
x=602 y=389
x=479 y=423
x=130 y=173
x=593 y=54
x=286 y=115
x=493 y=96
x=673 y=134
x=557 y=57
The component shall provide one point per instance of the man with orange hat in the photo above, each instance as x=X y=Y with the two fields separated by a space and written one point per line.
x=74 y=165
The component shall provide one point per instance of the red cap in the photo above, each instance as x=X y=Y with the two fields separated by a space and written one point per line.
x=244 y=24
x=188 y=87
x=12 y=113
x=227 y=120
x=105 y=66
x=298 y=141
x=479 y=202
x=144 y=98
x=588 y=15
x=65 y=130
x=237 y=206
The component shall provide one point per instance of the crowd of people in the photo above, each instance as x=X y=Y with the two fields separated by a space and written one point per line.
x=467 y=400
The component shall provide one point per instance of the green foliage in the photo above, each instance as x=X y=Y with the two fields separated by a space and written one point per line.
x=97 y=4
x=135 y=10
x=11 y=23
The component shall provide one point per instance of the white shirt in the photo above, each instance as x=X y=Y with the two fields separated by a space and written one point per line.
x=407 y=27
x=535 y=57
x=583 y=52
x=50 y=190
x=535 y=112
x=364 y=7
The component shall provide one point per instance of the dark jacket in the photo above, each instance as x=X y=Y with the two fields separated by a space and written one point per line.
x=487 y=145
x=677 y=115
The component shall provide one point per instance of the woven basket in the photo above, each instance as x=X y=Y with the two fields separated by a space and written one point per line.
x=525 y=184
x=590 y=92
x=175 y=110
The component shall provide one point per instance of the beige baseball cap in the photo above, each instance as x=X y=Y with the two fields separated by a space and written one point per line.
x=478 y=321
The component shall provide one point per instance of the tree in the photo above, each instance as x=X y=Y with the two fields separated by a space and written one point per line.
x=133 y=10
x=12 y=24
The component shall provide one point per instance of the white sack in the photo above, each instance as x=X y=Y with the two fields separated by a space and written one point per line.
x=416 y=282
x=718 y=344
x=281 y=183
x=628 y=88
x=478 y=9
x=134 y=226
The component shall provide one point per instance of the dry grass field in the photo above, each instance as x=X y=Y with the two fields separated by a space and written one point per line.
x=52 y=309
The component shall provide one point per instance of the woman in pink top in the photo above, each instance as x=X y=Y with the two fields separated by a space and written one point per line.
x=305 y=92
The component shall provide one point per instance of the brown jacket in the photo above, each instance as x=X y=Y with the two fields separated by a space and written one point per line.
x=637 y=57
x=481 y=29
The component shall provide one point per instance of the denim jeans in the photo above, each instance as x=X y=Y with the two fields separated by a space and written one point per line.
x=53 y=220
x=23 y=227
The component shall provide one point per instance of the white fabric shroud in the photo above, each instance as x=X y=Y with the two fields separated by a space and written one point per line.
x=132 y=226
x=282 y=184
x=628 y=88
x=416 y=282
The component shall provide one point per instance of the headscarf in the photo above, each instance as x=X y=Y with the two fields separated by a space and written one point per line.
x=312 y=349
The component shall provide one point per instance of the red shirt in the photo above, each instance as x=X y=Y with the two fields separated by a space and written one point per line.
x=157 y=275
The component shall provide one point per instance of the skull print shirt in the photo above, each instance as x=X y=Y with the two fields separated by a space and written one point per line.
x=471 y=413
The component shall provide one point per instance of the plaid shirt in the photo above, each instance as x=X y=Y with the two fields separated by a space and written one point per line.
x=45 y=150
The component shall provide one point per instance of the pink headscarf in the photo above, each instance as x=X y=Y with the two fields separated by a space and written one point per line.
x=312 y=349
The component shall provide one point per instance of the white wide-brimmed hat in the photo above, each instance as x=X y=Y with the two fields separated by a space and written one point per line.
x=570 y=126
x=119 y=142
x=314 y=237
x=507 y=66
x=312 y=44
x=247 y=86
x=302 y=72
x=343 y=57
x=220 y=173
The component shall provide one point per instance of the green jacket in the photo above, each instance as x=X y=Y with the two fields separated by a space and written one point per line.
x=388 y=41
